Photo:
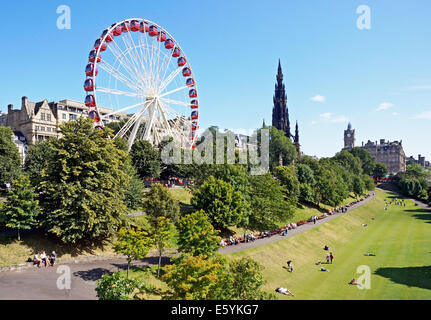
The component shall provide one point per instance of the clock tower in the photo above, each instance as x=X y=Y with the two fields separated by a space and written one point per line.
x=349 y=137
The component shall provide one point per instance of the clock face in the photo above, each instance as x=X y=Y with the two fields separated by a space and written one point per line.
x=349 y=135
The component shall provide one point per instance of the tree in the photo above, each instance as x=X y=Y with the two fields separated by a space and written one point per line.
x=82 y=185
x=305 y=174
x=380 y=170
x=369 y=182
x=268 y=203
x=349 y=162
x=246 y=280
x=146 y=159
x=38 y=158
x=196 y=278
x=289 y=179
x=134 y=244
x=196 y=235
x=224 y=206
x=331 y=186
x=367 y=161
x=280 y=148
x=163 y=237
x=116 y=287
x=10 y=160
x=358 y=186
x=159 y=202
x=21 y=208
x=306 y=193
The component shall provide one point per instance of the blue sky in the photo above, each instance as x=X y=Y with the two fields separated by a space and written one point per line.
x=379 y=79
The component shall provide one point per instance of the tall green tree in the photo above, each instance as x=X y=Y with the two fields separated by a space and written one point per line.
x=21 y=208
x=82 y=186
x=158 y=202
x=281 y=149
x=195 y=278
x=358 y=186
x=269 y=205
x=10 y=160
x=164 y=233
x=367 y=161
x=196 y=235
x=134 y=244
x=38 y=158
x=289 y=179
x=146 y=159
x=380 y=170
x=224 y=206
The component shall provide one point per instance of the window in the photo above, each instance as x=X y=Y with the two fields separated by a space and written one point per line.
x=48 y=129
x=42 y=116
x=37 y=128
x=72 y=116
x=42 y=128
x=48 y=117
x=64 y=116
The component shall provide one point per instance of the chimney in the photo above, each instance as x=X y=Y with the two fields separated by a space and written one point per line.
x=24 y=101
x=9 y=107
x=382 y=141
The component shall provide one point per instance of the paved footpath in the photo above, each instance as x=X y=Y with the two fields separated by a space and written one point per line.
x=293 y=232
x=41 y=283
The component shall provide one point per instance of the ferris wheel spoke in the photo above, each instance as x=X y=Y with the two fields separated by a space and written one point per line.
x=171 y=101
x=120 y=92
x=169 y=79
x=118 y=75
x=119 y=54
x=137 y=58
x=172 y=91
x=125 y=129
x=164 y=74
x=124 y=109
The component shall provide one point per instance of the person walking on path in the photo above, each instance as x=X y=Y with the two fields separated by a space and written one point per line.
x=327 y=258
x=331 y=256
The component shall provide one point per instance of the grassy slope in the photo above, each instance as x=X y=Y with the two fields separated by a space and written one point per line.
x=400 y=237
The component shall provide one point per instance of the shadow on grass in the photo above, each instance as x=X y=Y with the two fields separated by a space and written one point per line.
x=421 y=214
x=148 y=261
x=39 y=241
x=411 y=276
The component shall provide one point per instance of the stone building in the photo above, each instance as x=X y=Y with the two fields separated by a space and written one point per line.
x=389 y=153
x=39 y=121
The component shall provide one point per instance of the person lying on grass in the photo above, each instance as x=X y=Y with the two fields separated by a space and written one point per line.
x=354 y=283
x=323 y=269
x=284 y=291
x=369 y=254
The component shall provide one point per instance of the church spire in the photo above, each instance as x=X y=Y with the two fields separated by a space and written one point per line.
x=279 y=73
x=296 y=140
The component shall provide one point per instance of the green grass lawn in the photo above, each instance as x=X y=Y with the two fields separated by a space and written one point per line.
x=401 y=269
x=181 y=194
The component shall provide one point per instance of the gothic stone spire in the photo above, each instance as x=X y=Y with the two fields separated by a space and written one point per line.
x=280 y=113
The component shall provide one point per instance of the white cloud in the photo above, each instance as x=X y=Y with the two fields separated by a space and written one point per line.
x=318 y=98
x=424 y=115
x=424 y=87
x=385 y=106
x=395 y=114
x=326 y=115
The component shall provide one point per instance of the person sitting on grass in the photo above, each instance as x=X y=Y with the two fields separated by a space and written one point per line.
x=284 y=291
x=36 y=260
x=289 y=265
x=318 y=263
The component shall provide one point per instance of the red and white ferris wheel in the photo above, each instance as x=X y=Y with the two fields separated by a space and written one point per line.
x=137 y=68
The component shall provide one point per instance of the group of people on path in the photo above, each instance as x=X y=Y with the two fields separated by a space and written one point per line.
x=43 y=258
